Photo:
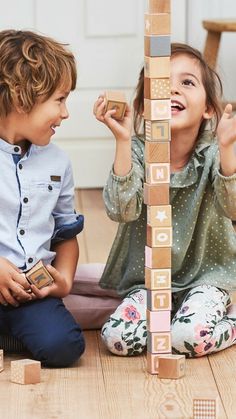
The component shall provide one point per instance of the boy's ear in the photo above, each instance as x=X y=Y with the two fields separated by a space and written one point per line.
x=209 y=112
x=17 y=100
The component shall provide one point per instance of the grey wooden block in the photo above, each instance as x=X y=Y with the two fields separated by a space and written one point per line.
x=157 y=46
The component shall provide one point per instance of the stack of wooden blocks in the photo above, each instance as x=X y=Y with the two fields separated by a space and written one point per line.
x=157 y=115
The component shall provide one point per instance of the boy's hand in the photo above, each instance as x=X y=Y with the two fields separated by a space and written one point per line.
x=59 y=288
x=226 y=133
x=120 y=129
x=13 y=284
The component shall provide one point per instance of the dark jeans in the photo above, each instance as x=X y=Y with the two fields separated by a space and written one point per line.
x=45 y=328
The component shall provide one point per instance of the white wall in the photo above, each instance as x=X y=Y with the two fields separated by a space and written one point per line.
x=107 y=38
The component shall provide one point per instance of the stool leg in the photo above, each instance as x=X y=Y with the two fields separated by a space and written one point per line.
x=211 y=48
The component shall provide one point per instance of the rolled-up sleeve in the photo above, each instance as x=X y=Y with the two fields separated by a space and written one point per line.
x=67 y=223
x=123 y=195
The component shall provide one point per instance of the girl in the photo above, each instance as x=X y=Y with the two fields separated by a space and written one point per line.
x=203 y=199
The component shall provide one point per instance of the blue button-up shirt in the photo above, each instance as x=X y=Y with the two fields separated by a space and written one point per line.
x=36 y=203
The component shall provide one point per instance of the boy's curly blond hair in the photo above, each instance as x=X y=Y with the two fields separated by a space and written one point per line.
x=32 y=67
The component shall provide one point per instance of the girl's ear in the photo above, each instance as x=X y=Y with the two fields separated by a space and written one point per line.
x=209 y=112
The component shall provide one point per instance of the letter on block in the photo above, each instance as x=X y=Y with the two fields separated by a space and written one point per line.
x=159 y=215
x=157 y=173
x=157 y=24
x=156 y=152
x=158 y=257
x=25 y=371
x=158 y=321
x=156 y=279
x=157 y=109
x=159 y=343
x=116 y=100
x=171 y=366
x=157 y=130
x=158 y=300
x=1 y=360
x=152 y=363
x=159 y=6
x=156 y=194
x=157 y=67
x=159 y=236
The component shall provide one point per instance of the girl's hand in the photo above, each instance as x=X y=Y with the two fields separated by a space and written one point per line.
x=226 y=130
x=120 y=129
x=226 y=133
x=59 y=288
x=13 y=284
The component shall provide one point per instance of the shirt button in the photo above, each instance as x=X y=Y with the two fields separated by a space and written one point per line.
x=20 y=166
x=30 y=260
x=22 y=232
x=25 y=200
x=50 y=187
x=16 y=149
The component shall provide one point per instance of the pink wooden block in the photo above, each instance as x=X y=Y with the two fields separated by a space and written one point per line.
x=158 y=321
x=157 y=173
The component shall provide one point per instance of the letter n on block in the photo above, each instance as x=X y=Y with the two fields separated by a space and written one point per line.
x=159 y=300
x=159 y=343
x=157 y=173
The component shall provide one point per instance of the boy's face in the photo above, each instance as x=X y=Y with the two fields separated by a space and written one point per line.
x=40 y=123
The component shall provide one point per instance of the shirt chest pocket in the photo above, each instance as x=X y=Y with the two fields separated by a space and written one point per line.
x=45 y=190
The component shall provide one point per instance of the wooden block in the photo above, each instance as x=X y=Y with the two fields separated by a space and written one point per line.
x=158 y=321
x=25 y=371
x=159 y=6
x=158 y=257
x=156 y=194
x=1 y=360
x=157 y=67
x=159 y=236
x=157 y=46
x=157 y=173
x=171 y=366
x=116 y=100
x=159 y=343
x=157 y=109
x=159 y=300
x=159 y=215
x=156 y=152
x=156 y=88
x=157 y=24
x=205 y=408
x=152 y=363
x=157 y=130
x=39 y=275
x=156 y=279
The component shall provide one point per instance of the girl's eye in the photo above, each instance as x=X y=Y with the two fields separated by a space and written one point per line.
x=61 y=99
x=188 y=82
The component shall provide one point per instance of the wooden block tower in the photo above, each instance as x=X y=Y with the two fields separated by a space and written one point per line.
x=157 y=114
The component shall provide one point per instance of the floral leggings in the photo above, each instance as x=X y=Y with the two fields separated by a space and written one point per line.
x=202 y=324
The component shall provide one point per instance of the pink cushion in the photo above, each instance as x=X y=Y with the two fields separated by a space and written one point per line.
x=86 y=281
x=91 y=312
x=89 y=304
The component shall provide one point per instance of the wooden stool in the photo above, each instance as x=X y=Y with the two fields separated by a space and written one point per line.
x=215 y=28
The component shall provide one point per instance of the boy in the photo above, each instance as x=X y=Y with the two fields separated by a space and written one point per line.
x=37 y=219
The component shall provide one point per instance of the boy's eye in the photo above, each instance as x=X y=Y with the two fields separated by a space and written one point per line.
x=188 y=82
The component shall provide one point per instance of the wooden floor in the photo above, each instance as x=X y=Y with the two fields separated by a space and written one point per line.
x=105 y=386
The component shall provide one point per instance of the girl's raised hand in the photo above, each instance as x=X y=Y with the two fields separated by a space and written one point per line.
x=226 y=133
x=120 y=129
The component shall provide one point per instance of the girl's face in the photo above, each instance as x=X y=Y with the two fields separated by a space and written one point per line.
x=188 y=95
